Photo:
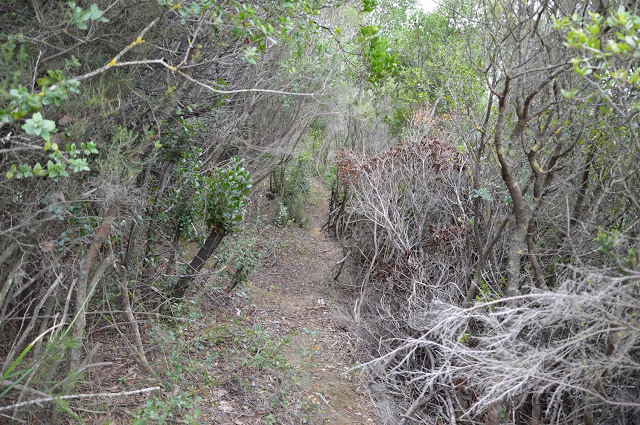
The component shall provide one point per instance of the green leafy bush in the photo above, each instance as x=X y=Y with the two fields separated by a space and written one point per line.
x=159 y=411
x=292 y=183
x=229 y=188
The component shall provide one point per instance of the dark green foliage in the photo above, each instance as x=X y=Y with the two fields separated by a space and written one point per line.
x=185 y=202
x=226 y=199
x=228 y=188
x=377 y=52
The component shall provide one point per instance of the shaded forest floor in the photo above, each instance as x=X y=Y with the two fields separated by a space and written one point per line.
x=273 y=352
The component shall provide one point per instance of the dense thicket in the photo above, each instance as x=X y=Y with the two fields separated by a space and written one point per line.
x=497 y=258
x=486 y=188
x=128 y=129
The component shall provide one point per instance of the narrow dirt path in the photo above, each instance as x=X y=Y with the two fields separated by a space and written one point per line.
x=273 y=352
x=293 y=295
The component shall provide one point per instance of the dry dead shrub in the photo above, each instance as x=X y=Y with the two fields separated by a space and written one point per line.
x=559 y=355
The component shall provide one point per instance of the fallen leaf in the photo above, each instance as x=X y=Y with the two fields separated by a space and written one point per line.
x=65 y=120
x=47 y=246
x=225 y=407
x=219 y=393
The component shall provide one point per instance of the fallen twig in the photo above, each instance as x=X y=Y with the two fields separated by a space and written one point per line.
x=77 y=396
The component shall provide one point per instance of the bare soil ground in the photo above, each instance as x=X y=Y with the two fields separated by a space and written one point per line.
x=293 y=293
x=286 y=357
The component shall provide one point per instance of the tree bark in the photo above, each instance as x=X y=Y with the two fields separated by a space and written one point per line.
x=135 y=329
x=82 y=288
x=174 y=250
x=520 y=209
x=153 y=219
x=235 y=280
x=533 y=259
x=493 y=414
x=210 y=245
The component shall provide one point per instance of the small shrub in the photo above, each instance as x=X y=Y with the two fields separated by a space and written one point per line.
x=238 y=258
x=282 y=214
x=292 y=184
x=159 y=411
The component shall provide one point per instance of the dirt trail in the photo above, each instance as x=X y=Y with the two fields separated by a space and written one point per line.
x=271 y=353
x=293 y=295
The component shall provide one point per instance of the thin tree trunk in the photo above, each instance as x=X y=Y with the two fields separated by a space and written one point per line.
x=235 y=280
x=82 y=287
x=174 y=250
x=8 y=252
x=209 y=247
x=533 y=259
x=153 y=219
x=135 y=329
x=520 y=209
x=535 y=409
x=482 y=260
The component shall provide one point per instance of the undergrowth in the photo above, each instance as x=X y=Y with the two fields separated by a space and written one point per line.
x=291 y=183
x=223 y=363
